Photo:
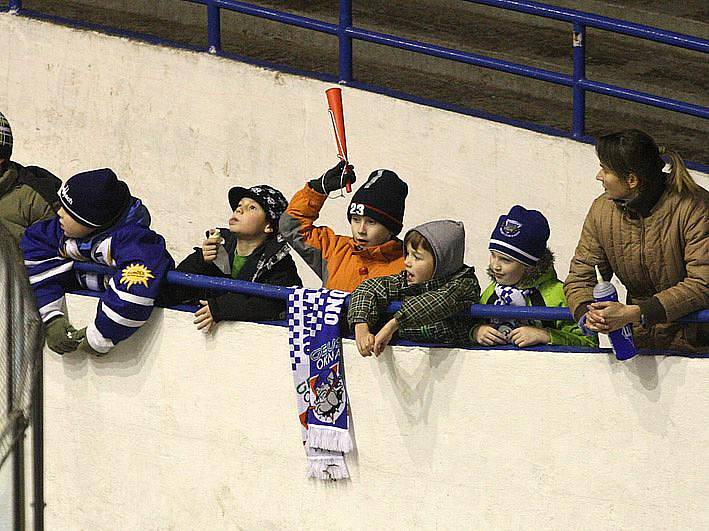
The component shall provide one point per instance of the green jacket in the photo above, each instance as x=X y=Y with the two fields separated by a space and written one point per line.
x=548 y=291
x=27 y=195
x=428 y=311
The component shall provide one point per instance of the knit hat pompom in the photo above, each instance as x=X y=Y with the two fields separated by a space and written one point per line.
x=5 y=138
x=521 y=235
x=382 y=198
x=95 y=198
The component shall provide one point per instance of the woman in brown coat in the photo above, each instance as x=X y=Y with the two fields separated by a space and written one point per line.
x=651 y=229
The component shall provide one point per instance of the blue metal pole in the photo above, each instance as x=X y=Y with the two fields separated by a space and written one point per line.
x=214 y=28
x=579 y=94
x=15 y=6
x=345 y=41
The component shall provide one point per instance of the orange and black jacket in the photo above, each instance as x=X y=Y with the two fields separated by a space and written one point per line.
x=337 y=260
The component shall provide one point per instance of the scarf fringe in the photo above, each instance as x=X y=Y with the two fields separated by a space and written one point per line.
x=327 y=468
x=326 y=438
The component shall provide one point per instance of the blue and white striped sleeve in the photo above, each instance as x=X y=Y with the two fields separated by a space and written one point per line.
x=142 y=261
x=49 y=272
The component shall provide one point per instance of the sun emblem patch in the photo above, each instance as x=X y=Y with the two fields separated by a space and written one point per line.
x=135 y=274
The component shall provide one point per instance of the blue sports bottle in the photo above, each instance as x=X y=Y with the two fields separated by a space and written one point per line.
x=622 y=339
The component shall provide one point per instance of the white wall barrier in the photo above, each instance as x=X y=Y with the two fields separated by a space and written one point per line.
x=175 y=430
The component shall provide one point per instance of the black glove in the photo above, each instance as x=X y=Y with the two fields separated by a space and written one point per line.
x=61 y=335
x=333 y=179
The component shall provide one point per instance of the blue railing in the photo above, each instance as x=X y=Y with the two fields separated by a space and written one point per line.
x=578 y=82
x=541 y=313
x=346 y=33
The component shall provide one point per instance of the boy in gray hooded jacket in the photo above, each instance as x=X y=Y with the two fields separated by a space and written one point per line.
x=433 y=289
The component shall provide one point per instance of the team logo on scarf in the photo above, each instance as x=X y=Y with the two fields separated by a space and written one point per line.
x=318 y=375
x=328 y=396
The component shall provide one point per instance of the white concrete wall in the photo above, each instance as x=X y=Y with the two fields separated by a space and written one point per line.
x=175 y=430
x=182 y=128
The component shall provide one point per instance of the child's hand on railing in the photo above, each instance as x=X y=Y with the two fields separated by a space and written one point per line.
x=364 y=339
x=203 y=318
x=210 y=246
x=384 y=336
x=528 y=336
x=489 y=336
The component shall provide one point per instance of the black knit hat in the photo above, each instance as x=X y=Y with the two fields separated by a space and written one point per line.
x=95 y=198
x=270 y=199
x=5 y=138
x=382 y=198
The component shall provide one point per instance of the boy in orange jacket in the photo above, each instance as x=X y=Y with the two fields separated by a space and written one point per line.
x=376 y=215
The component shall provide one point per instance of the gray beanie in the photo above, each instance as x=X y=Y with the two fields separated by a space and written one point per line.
x=447 y=239
x=5 y=138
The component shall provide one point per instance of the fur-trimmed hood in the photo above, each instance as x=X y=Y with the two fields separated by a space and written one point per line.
x=531 y=276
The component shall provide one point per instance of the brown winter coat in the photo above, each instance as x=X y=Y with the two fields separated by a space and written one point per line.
x=662 y=258
x=20 y=204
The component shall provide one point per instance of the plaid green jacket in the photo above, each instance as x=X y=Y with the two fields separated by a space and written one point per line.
x=428 y=311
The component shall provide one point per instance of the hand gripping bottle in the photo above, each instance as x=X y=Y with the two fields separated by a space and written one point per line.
x=622 y=339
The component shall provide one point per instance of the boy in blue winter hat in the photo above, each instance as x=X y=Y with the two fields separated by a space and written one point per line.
x=99 y=221
x=522 y=273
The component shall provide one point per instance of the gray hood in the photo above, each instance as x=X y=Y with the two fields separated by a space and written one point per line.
x=447 y=238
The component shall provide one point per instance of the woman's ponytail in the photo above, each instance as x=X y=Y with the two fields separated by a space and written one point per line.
x=679 y=180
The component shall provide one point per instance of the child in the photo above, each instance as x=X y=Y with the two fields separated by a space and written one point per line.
x=99 y=222
x=435 y=286
x=250 y=249
x=375 y=213
x=27 y=194
x=522 y=273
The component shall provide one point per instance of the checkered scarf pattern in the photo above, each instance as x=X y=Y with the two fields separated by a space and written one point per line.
x=510 y=296
x=318 y=376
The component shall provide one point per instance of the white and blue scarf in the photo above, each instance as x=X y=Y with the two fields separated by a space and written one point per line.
x=509 y=296
x=319 y=377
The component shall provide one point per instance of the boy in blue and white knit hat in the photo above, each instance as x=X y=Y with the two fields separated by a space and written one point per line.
x=522 y=273
x=100 y=222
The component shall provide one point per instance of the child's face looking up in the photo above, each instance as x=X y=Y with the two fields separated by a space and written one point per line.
x=507 y=272
x=368 y=232
x=71 y=227
x=419 y=263
x=249 y=220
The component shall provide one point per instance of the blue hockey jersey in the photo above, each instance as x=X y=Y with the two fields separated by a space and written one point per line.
x=138 y=254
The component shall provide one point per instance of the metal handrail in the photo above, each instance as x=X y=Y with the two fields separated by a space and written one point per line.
x=579 y=19
x=540 y=313
x=578 y=82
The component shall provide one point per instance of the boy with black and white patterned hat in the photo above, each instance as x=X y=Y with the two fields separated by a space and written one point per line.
x=250 y=249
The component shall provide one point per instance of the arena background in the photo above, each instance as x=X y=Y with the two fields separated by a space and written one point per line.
x=176 y=431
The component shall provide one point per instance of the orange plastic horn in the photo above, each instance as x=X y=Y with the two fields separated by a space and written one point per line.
x=337 y=116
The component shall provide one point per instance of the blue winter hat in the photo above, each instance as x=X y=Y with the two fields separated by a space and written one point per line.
x=521 y=235
x=95 y=198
